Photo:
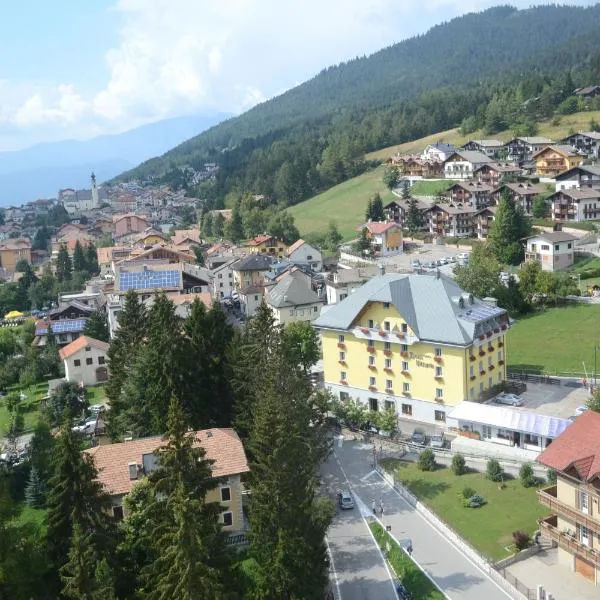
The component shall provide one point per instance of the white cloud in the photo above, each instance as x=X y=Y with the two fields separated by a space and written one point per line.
x=180 y=56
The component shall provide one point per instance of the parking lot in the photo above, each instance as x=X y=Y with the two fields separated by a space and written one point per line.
x=426 y=254
x=552 y=400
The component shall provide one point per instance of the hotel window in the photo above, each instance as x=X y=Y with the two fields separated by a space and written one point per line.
x=404 y=328
x=386 y=325
x=387 y=346
x=77 y=362
x=438 y=371
x=404 y=348
x=489 y=361
x=503 y=434
x=471 y=392
x=438 y=351
x=371 y=361
x=372 y=381
x=343 y=375
x=480 y=365
x=531 y=439
x=388 y=384
x=388 y=363
x=440 y=415
x=371 y=343
x=439 y=393
x=390 y=405
x=341 y=339
x=225 y=494
x=500 y=355
x=404 y=365
x=371 y=324
x=481 y=387
x=343 y=356
x=406 y=387
x=373 y=404
x=386 y=305
x=227 y=519
x=89 y=361
x=471 y=372
x=101 y=360
x=584 y=502
x=500 y=377
x=407 y=410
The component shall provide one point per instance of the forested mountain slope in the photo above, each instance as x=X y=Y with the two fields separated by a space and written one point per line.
x=314 y=135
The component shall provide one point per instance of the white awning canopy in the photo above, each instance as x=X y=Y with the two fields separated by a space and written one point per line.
x=508 y=418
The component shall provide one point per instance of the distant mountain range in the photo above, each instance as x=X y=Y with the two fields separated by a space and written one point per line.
x=41 y=170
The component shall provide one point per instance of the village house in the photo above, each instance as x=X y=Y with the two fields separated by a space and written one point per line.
x=186 y=237
x=121 y=466
x=85 y=361
x=267 y=244
x=293 y=299
x=583 y=176
x=575 y=204
x=222 y=279
x=69 y=239
x=385 y=237
x=574 y=500
x=148 y=237
x=471 y=192
x=438 y=152
x=493 y=148
x=523 y=194
x=555 y=251
x=483 y=221
x=589 y=92
x=12 y=251
x=495 y=173
x=552 y=160
x=455 y=220
x=412 y=165
x=522 y=149
x=397 y=211
x=584 y=142
x=343 y=282
x=463 y=163
x=128 y=224
x=302 y=253
x=416 y=344
x=63 y=330
x=249 y=281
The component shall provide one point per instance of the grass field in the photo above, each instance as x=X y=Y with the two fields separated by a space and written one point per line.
x=557 y=340
x=430 y=188
x=488 y=528
x=344 y=203
x=30 y=407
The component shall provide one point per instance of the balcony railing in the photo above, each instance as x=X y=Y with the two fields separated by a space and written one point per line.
x=547 y=497
x=567 y=540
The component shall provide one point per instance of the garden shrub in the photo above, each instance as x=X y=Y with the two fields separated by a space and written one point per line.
x=521 y=539
x=526 y=475
x=426 y=460
x=493 y=470
x=551 y=476
x=458 y=464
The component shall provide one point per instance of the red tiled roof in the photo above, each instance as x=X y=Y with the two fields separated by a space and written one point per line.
x=376 y=227
x=112 y=460
x=79 y=344
x=259 y=239
x=577 y=448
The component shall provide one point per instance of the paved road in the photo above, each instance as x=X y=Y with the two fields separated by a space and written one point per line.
x=456 y=575
x=359 y=566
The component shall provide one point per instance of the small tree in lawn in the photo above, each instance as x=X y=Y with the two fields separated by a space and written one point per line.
x=493 y=470
x=458 y=464
x=388 y=420
x=390 y=177
x=526 y=475
x=363 y=243
x=426 y=460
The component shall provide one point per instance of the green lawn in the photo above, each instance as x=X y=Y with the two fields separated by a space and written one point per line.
x=489 y=528
x=430 y=188
x=35 y=516
x=96 y=394
x=415 y=581
x=30 y=407
x=344 y=203
x=556 y=340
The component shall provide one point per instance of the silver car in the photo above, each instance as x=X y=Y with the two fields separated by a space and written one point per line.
x=437 y=441
x=510 y=399
x=345 y=500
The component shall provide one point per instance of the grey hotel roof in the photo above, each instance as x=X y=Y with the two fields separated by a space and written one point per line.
x=433 y=306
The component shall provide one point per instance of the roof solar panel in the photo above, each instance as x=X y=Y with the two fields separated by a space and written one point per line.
x=144 y=280
x=62 y=326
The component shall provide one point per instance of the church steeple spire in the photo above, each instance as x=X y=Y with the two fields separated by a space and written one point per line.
x=95 y=203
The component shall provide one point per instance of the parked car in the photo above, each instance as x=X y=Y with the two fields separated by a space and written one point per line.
x=510 y=399
x=415 y=264
x=97 y=408
x=504 y=277
x=86 y=427
x=345 y=500
x=437 y=441
x=431 y=265
x=402 y=592
x=463 y=256
x=580 y=410
x=443 y=261
x=418 y=437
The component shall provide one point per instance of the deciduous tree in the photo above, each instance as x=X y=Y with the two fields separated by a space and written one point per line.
x=481 y=275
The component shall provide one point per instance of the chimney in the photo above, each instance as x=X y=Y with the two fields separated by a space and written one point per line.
x=133 y=470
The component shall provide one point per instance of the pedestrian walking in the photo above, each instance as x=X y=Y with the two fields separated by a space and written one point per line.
x=381 y=506
x=409 y=548
x=374 y=506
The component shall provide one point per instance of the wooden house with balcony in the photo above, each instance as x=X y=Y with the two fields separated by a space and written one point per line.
x=495 y=173
x=473 y=192
x=455 y=220
x=412 y=165
x=483 y=221
x=575 y=204
x=551 y=160
x=523 y=194
x=574 y=502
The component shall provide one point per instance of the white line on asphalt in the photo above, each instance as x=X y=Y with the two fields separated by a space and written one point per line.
x=373 y=472
x=335 y=577
x=447 y=539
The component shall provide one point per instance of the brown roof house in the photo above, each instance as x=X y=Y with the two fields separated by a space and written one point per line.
x=574 y=501
x=121 y=466
x=84 y=360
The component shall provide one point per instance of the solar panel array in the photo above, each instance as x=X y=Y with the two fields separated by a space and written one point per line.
x=145 y=280
x=480 y=312
x=62 y=326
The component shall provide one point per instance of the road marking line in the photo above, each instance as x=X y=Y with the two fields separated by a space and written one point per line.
x=447 y=539
x=373 y=472
x=332 y=564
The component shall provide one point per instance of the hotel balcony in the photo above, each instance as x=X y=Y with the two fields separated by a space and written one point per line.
x=547 y=497
x=567 y=541
x=529 y=256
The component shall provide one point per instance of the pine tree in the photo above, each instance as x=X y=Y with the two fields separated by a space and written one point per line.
x=122 y=352
x=207 y=224
x=97 y=327
x=75 y=497
x=405 y=191
x=40 y=450
x=369 y=211
x=34 y=490
x=104 y=582
x=377 y=214
x=79 y=262
x=234 y=229
x=91 y=260
x=508 y=229
x=414 y=218
x=218 y=226
x=63 y=265
x=208 y=398
x=158 y=372
x=191 y=559
x=78 y=574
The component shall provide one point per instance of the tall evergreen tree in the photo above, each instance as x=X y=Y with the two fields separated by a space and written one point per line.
x=122 y=352
x=78 y=573
x=508 y=229
x=414 y=218
x=158 y=372
x=75 y=497
x=191 y=561
x=218 y=227
x=79 y=262
x=405 y=191
x=34 y=490
x=377 y=213
x=234 y=229
x=209 y=400
x=91 y=260
x=369 y=211
x=97 y=327
x=63 y=265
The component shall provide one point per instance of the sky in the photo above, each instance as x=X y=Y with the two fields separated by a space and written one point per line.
x=74 y=69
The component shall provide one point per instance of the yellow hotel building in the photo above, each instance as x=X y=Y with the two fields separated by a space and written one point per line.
x=415 y=343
